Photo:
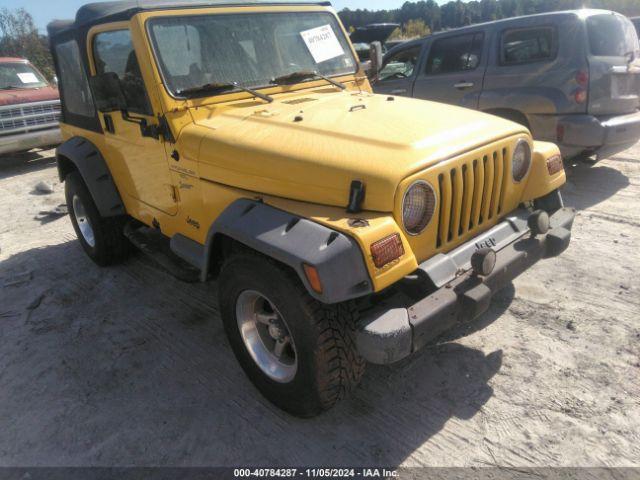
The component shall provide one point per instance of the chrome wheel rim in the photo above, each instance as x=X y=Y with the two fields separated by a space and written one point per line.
x=266 y=336
x=84 y=225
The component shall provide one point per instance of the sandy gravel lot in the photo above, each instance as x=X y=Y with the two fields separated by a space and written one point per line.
x=127 y=366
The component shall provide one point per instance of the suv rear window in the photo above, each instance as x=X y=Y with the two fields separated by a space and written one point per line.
x=636 y=23
x=528 y=45
x=611 y=36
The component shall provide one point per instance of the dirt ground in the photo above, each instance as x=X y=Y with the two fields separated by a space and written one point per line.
x=128 y=366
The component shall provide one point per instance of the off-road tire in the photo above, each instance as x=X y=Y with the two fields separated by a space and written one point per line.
x=550 y=203
x=111 y=246
x=329 y=365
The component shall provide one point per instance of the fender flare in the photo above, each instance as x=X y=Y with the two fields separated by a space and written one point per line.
x=292 y=241
x=80 y=154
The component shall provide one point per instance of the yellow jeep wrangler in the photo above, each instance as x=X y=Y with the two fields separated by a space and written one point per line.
x=238 y=140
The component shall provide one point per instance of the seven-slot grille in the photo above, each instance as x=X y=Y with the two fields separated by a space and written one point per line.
x=471 y=195
x=29 y=117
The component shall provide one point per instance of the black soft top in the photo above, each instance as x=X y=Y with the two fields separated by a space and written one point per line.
x=106 y=12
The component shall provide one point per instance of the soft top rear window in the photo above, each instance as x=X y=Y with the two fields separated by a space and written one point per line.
x=611 y=35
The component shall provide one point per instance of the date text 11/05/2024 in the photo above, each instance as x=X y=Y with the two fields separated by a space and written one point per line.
x=315 y=473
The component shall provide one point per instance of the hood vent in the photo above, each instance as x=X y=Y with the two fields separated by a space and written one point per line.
x=298 y=101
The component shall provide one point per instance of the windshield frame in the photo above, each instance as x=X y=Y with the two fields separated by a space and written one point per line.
x=43 y=82
x=274 y=89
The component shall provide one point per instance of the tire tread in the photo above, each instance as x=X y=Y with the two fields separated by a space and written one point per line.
x=337 y=345
x=338 y=365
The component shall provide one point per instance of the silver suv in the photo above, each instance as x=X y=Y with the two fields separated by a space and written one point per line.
x=573 y=78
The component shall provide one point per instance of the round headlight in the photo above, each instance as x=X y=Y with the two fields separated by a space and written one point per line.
x=418 y=207
x=521 y=161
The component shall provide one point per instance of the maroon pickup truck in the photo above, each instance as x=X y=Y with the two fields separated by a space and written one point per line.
x=29 y=107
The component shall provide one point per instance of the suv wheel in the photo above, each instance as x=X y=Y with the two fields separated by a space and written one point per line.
x=101 y=238
x=299 y=353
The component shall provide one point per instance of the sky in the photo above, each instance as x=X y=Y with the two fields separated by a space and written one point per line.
x=43 y=11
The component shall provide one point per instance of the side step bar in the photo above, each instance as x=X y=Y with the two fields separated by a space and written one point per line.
x=156 y=246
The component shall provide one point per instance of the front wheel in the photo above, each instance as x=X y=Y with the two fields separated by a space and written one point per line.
x=299 y=353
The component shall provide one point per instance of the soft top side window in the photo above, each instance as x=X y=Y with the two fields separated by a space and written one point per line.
x=528 y=45
x=455 y=54
x=74 y=86
x=401 y=64
x=113 y=52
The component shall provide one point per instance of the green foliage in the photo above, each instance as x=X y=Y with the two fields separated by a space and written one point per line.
x=414 y=28
x=457 y=13
x=20 y=38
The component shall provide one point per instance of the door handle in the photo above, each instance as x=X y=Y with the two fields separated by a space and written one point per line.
x=464 y=85
x=399 y=91
x=108 y=124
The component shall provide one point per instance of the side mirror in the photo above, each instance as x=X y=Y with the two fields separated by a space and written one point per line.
x=375 y=54
x=107 y=92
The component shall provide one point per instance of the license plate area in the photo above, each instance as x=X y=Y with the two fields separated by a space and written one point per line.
x=443 y=268
x=625 y=85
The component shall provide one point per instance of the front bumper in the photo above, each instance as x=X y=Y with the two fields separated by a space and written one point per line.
x=26 y=141
x=395 y=330
x=603 y=136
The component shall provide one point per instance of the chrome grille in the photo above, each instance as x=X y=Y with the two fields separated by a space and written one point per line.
x=471 y=195
x=29 y=117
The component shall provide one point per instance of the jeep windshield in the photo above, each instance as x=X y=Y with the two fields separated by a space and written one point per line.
x=250 y=50
x=19 y=75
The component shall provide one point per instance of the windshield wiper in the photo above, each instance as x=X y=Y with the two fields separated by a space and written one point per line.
x=305 y=75
x=223 y=87
x=11 y=87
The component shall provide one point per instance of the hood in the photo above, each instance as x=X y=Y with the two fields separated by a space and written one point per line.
x=376 y=32
x=311 y=146
x=28 y=95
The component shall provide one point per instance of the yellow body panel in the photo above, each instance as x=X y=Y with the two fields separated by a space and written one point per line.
x=233 y=146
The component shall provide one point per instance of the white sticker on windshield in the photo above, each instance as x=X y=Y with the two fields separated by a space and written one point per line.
x=322 y=43
x=28 y=77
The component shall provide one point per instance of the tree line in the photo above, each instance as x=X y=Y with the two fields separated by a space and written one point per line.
x=427 y=16
x=19 y=36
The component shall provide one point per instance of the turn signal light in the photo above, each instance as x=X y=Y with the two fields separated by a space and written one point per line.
x=580 y=96
x=554 y=164
x=313 y=277
x=387 y=250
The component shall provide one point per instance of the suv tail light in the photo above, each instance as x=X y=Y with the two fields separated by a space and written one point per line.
x=580 y=95
x=582 y=79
